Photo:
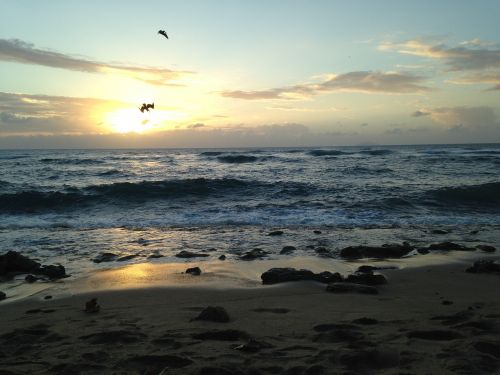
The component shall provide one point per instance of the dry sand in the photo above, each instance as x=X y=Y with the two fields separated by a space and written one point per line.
x=426 y=320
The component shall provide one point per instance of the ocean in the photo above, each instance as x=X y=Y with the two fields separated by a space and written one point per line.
x=68 y=206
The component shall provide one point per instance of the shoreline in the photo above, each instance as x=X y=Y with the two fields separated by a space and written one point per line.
x=434 y=319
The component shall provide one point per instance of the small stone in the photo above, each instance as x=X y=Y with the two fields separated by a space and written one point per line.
x=366 y=279
x=105 y=257
x=323 y=251
x=188 y=254
x=486 y=248
x=2 y=296
x=213 y=314
x=92 y=306
x=446 y=302
x=275 y=233
x=439 y=231
x=47 y=297
x=222 y=257
x=316 y=231
x=195 y=271
x=30 y=278
x=127 y=257
x=288 y=249
x=254 y=254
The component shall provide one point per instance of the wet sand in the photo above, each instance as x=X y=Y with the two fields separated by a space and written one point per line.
x=427 y=319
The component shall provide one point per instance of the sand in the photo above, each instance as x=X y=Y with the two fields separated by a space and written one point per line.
x=426 y=320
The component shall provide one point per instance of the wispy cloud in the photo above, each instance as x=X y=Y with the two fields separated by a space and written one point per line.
x=15 y=50
x=362 y=81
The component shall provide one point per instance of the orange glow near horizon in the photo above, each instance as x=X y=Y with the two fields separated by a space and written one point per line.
x=131 y=120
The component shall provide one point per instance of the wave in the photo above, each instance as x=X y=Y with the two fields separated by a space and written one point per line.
x=379 y=152
x=483 y=195
x=237 y=158
x=111 y=172
x=126 y=192
x=327 y=153
x=62 y=161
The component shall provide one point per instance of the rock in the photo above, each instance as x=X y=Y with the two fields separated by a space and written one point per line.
x=13 y=262
x=253 y=346
x=155 y=256
x=486 y=248
x=484 y=266
x=30 y=278
x=370 y=269
x=281 y=275
x=254 y=254
x=444 y=246
x=221 y=335
x=213 y=314
x=316 y=231
x=2 y=296
x=105 y=257
x=188 y=254
x=127 y=257
x=311 y=247
x=92 y=306
x=351 y=288
x=195 y=271
x=53 y=271
x=474 y=232
x=275 y=233
x=47 y=297
x=288 y=249
x=423 y=250
x=439 y=231
x=446 y=302
x=222 y=257
x=366 y=278
x=384 y=251
x=327 y=277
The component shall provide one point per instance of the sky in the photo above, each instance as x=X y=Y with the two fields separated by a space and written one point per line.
x=257 y=73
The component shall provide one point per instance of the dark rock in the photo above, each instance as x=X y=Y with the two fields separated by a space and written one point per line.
x=105 y=257
x=288 y=249
x=423 y=250
x=484 y=266
x=370 y=269
x=384 y=251
x=213 y=314
x=2 y=296
x=189 y=254
x=436 y=335
x=127 y=257
x=253 y=346
x=366 y=278
x=13 y=262
x=53 y=271
x=222 y=335
x=30 y=278
x=280 y=275
x=275 y=233
x=92 y=306
x=474 y=232
x=488 y=347
x=351 y=288
x=155 y=256
x=195 y=271
x=311 y=247
x=444 y=246
x=439 y=231
x=316 y=231
x=446 y=302
x=47 y=297
x=254 y=254
x=327 y=277
x=222 y=257
x=486 y=248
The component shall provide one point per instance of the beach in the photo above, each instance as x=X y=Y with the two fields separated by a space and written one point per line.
x=426 y=319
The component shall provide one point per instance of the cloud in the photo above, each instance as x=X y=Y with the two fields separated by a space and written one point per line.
x=491 y=77
x=195 y=126
x=44 y=114
x=457 y=58
x=462 y=117
x=361 y=81
x=15 y=50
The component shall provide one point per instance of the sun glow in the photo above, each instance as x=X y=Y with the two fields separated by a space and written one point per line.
x=133 y=121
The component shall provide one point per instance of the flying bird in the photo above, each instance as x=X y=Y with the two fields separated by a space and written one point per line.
x=146 y=107
x=164 y=33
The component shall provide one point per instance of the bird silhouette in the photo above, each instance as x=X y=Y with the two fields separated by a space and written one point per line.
x=163 y=32
x=146 y=107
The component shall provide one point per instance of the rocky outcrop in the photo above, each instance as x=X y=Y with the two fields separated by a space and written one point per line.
x=105 y=257
x=14 y=263
x=446 y=246
x=486 y=248
x=195 y=271
x=484 y=266
x=189 y=254
x=213 y=314
x=281 y=275
x=384 y=251
x=366 y=278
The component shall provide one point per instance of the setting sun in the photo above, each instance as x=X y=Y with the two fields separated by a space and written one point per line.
x=131 y=120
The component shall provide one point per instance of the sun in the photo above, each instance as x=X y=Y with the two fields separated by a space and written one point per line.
x=131 y=120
